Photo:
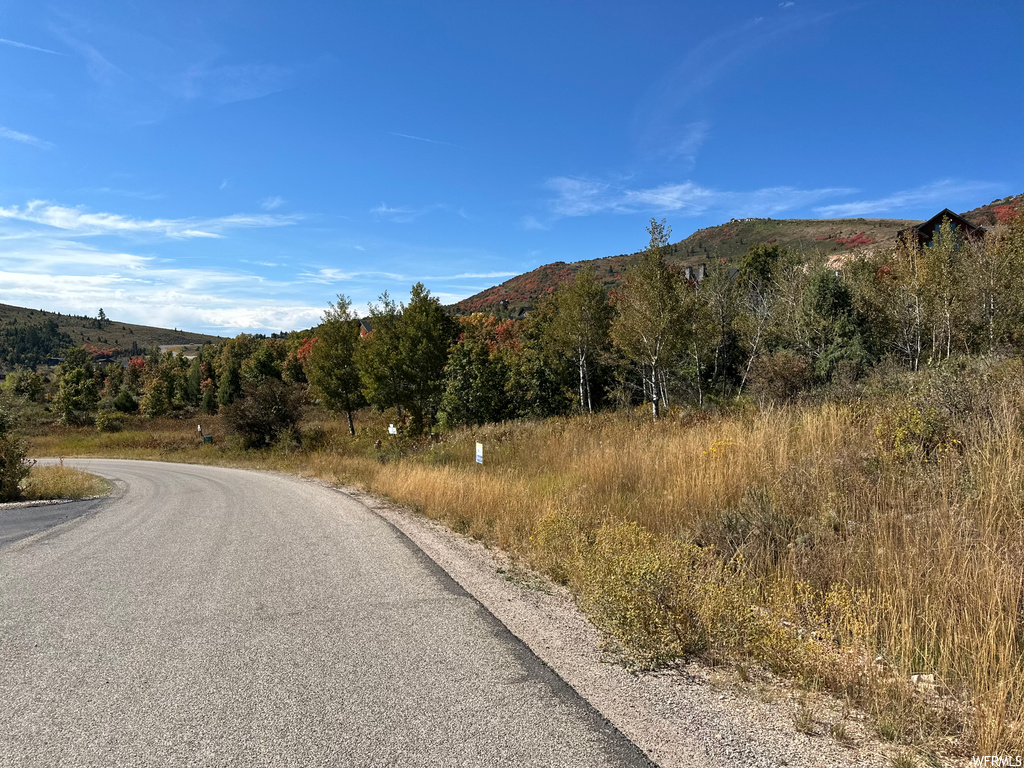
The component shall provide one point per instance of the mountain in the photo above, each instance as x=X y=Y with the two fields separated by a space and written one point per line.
x=30 y=336
x=726 y=241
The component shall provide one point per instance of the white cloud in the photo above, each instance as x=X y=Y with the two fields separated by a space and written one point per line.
x=945 y=193
x=23 y=138
x=227 y=84
x=72 y=277
x=272 y=203
x=405 y=215
x=586 y=197
x=420 y=138
x=79 y=222
x=26 y=46
x=532 y=222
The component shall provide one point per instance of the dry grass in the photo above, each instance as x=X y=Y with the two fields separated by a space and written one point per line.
x=59 y=482
x=807 y=539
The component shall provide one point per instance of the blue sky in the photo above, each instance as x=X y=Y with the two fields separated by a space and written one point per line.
x=233 y=166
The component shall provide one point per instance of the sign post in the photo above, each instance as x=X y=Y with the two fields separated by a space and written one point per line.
x=479 y=453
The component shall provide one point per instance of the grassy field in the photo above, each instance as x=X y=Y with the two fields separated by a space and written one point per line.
x=872 y=546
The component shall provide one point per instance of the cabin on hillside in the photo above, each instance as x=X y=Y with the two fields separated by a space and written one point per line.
x=925 y=233
x=696 y=274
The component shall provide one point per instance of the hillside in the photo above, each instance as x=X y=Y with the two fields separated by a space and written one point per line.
x=30 y=336
x=726 y=241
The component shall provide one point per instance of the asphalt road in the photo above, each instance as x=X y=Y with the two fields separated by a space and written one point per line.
x=209 y=616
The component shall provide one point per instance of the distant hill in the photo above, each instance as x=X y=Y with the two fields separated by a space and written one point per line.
x=726 y=241
x=30 y=336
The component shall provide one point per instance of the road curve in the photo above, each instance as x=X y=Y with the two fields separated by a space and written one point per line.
x=210 y=616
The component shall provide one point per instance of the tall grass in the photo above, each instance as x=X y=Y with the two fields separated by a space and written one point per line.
x=850 y=545
x=58 y=482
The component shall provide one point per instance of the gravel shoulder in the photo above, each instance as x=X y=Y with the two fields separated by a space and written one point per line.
x=680 y=718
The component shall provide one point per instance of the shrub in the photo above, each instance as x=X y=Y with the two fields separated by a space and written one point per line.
x=106 y=421
x=264 y=412
x=781 y=376
x=125 y=403
x=13 y=466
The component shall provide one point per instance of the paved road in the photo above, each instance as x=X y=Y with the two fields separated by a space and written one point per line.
x=209 y=616
x=20 y=521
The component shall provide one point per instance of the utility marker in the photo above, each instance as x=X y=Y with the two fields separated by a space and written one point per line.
x=479 y=453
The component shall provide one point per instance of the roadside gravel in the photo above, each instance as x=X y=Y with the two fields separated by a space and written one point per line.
x=694 y=716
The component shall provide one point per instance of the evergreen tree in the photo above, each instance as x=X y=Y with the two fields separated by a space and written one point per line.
x=331 y=363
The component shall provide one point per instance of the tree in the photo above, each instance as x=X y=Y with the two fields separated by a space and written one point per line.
x=651 y=325
x=13 y=464
x=426 y=333
x=475 y=386
x=77 y=393
x=402 y=361
x=581 y=327
x=377 y=358
x=263 y=412
x=331 y=363
x=944 y=279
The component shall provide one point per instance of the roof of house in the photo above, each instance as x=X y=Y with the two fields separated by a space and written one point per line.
x=926 y=230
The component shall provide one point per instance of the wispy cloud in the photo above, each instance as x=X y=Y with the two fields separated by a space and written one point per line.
x=788 y=4
x=100 y=68
x=404 y=215
x=532 y=222
x=26 y=46
x=23 y=138
x=272 y=203
x=227 y=84
x=945 y=193
x=420 y=138
x=585 y=197
x=334 y=275
x=137 y=195
x=80 y=222
x=670 y=120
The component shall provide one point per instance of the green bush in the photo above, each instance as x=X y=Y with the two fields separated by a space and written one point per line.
x=13 y=465
x=125 y=403
x=264 y=412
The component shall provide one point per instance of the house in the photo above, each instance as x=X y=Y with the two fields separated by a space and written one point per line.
x=925 y=232
x=365 y=328
x=696 y=274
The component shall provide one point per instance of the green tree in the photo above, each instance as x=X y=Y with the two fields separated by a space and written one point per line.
x=77 y=393
x=581 y=328
x=475 y=386
x=426 y=333
x=827 y=324
x=402 y=361
x=377 y=358
x=263 y=412
x=652 y=324
x=13 y=464
x=331 y=363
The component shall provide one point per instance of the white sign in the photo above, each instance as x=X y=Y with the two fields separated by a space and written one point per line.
x=479 y=453
x=199 y=428
x=392 y=430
